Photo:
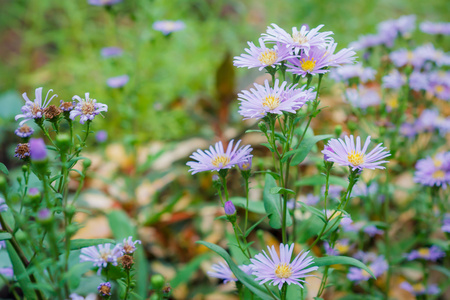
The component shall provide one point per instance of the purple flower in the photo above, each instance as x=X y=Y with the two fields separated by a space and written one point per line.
x=245 y=165
x=75 y=296
x=394 y=80
x=117 y=82
x=432 y=254
x=362 y=97
x=446 y=223
x=418 y=81
x=217 y=159
x=38 y=150
x=434 y=171
x=167 y=27
x=24 y=131
x=111 y=52
x=377 y=264
x=340 y=247
x=419 y=289
x=44 y=214
x=22 y=151
x=257 y=103
x=310 y=199
x=348 y=72
x=408 y=129
x=101 y=136
x=223 y=272
x=262 y=57
x=103 y=2
x=346 y=153
x=403 y=26
x=87 y=108
x=3 y=206
x=334 y=191
x=439 y=85
x=7 y=272
x=229 y=208
x=128 y=245
x=302 y=39
x=367 y=41
x=34 y=109
x=101 y=256
x=435 y=28
x=278 y=270
x=372 y=230
x=104 y=289
x=361 y=189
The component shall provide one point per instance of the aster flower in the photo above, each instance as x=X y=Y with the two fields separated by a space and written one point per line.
x=278 y=270
x=439 y=85
x=262 y=57
x=104 y=289
x=348 y=72
x=257 y=103
x=310 y=199
x=361 y=189
x=341 y=246
x=118 y=81
x=34 y=109
x=217 y=159
x=394 y=80
x=418 y=81
x=22 y=151
x=346 y=153
x=87 y=108
x=403 y=26
x=419 y=289
x=167 y=27
x=372 y=230
x=223 y=272
x=66 y=106
x=101 y=255
x=245 y=165
x=367 y=41
x=435 y=27
x=128 y=245
x=434 y=171
x=38 y=150
x=377 y=264
x=302 y=39
x=101 y=136
x=7 y=272
x=75 y=296
x=432 y=253
x=334 y=191
x=111 y=52
x=24 y=131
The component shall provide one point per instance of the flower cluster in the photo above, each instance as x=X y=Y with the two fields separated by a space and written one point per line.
x=434 y=171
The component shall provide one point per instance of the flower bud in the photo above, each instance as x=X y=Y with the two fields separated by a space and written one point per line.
x=262 y=126
x=34 y=195
x=157 y=282
x=230 y=211
x=63 y=142
x=338 y=130
x=245 y=165
x=44 y=216
x=86 y=163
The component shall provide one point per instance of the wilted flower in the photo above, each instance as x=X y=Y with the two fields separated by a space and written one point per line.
x=22 y=151
x=435 y=27
x=38 y=150
x=128 y=245
x=34 y=109
x=217 y=159
x=66 y=106
x=262 y=57
x=278 y=270
x=432 y=253
x=257 y=103
x=24 y=131
x=302 y=39
x=87 y=108
x=223 y=271
x=101 y=256
x=377 y=264
x=111 y=51
x=104 y=289
x=346 y=153
x=167 y=27
x=117 y=82
x=419 y=289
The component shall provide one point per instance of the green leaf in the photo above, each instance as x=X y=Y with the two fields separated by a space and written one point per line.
x=253 y=206
x=268 y=146
x=306 y=146
x=321 y=180
x=341 y=260
x=314 y=211
x=254 y=226
x=274 y=174
x=56 y=177
x=272 y=204
x=82 y=243
x=4 y=169
x=184 y=274
x=245 y=279
x=20 y=272
x=281 y=190
x=443 y=270
x=5 y=236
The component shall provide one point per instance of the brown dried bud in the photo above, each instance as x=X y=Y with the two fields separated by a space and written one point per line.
x=52 y=112
x=166 y=289
x=127 y=261
x=22 y=151
x=66 y=106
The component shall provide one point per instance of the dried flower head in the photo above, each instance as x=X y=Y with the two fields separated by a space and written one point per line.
x=22 y=151
x=24 y=131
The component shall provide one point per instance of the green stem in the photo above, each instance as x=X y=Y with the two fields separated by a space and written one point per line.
x=246 y=204
x=284 y=291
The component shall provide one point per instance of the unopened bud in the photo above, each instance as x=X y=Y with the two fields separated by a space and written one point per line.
x=63 y=142
x=157 y=281
x=262 y=126
x=338 y=130
x=230 y=211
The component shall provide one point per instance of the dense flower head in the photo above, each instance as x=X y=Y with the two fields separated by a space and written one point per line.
x=111 y=52
x=168 y=26
x=262 y=57
x=435 y=27
x=104 y=289
x=362 y=97
x=216 y=158
x=38 y=150
x=432 y=253
x=264 y=99
x=34 y=109
x=101 y=255
x=419 y=289
x=128 y=246
x=434 y=171
x=24 y=131
x=87 y=108
x=357 y=71
x=346 y=153
x=341 y=246
x=303 y=39
x=118 y=81
x=22 y=151
x=223 y=271
x=278 y=269
x=66 y=106
x=376 y=263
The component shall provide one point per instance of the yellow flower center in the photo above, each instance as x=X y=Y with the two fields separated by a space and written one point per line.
x=437 y=162
x=299 y=38
x=439 y=174
x=35 y=109
x=341 y=248
x=268 y=57
x=355 y=158
x=418 y=287
x=245 y=166
x=283 y=271
x=393 y=102
x=271 y=102
x=439 y=88
x=220 y=161
x=88 y=107
x=410 y=56
x=424 y=252
x=308 y=65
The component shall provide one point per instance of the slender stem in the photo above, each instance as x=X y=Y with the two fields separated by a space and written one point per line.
x=246 y=204
x=386 y=236
x=128 y=285
x=284 y=291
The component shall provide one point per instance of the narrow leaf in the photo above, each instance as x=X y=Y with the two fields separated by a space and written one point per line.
x=272 y=204
x=321 y=180
x=4 y=169
x=82 y=243
x=306 y=146
x=20 y=272
x=281 y=190
x=5 y=236
x=254 y=226
x=341 y=260
x=314 y=211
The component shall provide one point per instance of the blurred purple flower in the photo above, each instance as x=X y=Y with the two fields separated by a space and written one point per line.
x=118 y=81
x=348 y=72
x=362 y=97
x=446 y=223
x=103 y=2
x=223 y=272
x=167 y=26
x=3 y=206
x=310 y=199
x=432 y=253
x=372 y=230
x=111 y=52
x=377 y=264
x=435 y=27
x=101 y=136
x=341 y=246
x=394 y=80
x=44 y=214
x=38 y=150
x=7 y=272
x=419 y=289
